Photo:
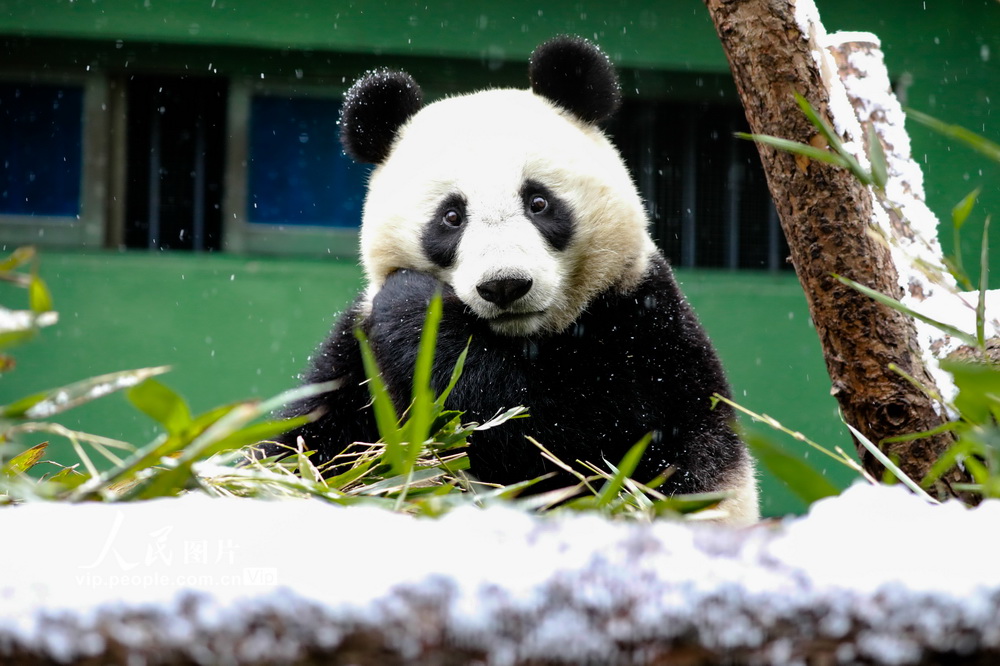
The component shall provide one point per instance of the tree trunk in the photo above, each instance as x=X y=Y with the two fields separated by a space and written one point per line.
x=775 y=49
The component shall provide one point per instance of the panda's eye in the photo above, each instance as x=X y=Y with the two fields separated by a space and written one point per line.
x=538 y=204
x=452 y=218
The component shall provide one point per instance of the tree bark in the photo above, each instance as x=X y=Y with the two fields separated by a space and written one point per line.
x=826 y=215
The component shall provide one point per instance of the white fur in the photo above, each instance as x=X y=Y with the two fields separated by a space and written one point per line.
x=484 y=146
x=742 y=507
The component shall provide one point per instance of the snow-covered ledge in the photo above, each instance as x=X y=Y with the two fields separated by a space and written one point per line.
x=875 y=575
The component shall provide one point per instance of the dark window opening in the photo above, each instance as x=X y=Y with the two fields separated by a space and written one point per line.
x=41 y=149
x=176 y=157
x=297 y=171
x=704 y=188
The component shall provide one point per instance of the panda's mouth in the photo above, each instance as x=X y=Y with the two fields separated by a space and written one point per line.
x=516 y=316
x=517 y=323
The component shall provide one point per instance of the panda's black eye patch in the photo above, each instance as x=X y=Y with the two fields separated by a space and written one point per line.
x=551 y=216
x=443 y=232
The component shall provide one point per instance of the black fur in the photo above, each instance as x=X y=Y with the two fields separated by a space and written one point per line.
x=440 y=240
x=633 y=363
x=374 y=109
x=577 y=76
x=555 y=223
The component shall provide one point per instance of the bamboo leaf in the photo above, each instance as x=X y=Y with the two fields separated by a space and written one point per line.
x=899 y=307
x=687 y=504
x=797 y=148
x=851 y=163
x=39 y=297
x=889 y=465
x=162 y=404
x=205 y=429
x=813 y=117
x=386 y=417
x=421 y=409
x=170 y=481
x=880 y=168
x=978 y=390
x=13 y=338
x=959 y=133
x=456 y=374
x=17 y=258
x=624 y=471
x=25 y=460
x=805 y=482
x=54 y=401
x=961 y=211
x=68 y=478
x=984 y=277
x=341 y=481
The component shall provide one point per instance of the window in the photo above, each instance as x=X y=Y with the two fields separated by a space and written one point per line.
x=705 y=189
x=297 y=172
x=175 y=157
x=290 y=188
x=41 y=150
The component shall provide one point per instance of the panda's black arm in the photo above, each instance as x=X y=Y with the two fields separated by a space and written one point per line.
x=344 y=418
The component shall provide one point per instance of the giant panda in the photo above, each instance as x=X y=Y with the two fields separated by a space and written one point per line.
x=519 y=210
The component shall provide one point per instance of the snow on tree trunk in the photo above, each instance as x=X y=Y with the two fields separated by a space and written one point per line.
x=833 y=226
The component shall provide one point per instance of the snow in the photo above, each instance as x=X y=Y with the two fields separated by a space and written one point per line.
x=889 y=577
x=14 y=321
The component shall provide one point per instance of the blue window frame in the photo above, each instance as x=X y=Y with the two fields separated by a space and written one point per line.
x=297 y=172
x=41 y=156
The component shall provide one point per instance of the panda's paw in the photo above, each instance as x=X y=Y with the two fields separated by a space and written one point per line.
x=407 y=290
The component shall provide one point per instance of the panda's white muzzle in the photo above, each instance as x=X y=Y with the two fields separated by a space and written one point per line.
x=506 y=273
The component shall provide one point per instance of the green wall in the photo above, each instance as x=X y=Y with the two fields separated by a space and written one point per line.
x=235 y=328
x=949 y=49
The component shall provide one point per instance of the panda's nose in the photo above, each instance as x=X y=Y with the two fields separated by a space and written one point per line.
x=504 y=291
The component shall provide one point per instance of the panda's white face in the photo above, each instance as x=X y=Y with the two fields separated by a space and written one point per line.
x=525 y=211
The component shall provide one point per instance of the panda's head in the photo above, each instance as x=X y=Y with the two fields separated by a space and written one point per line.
x=515 y=198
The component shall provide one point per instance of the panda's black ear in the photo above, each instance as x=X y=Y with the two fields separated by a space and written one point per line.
x=374 y=109
x=576 y=75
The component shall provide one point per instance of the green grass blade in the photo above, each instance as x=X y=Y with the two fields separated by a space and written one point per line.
x=888 y=301
x=959 y=133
